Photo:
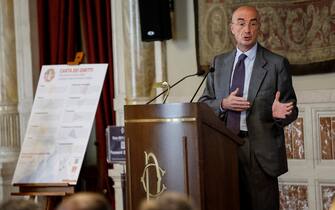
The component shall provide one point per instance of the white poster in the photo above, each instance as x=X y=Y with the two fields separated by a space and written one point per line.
x=60 y=123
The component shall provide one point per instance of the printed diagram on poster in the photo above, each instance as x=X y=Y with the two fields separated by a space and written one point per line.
x=60 y=123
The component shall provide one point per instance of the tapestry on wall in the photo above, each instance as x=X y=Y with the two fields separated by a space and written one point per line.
x=301 y=30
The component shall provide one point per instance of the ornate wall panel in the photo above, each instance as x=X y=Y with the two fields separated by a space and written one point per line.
x=293 y=196
x=301 y=30
x=328 y=194
x=294 y=139
x=327 y=137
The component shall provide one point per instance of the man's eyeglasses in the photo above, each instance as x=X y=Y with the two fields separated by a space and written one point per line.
x=251 y=24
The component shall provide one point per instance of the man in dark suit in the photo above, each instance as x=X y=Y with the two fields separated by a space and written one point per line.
x=251 y=91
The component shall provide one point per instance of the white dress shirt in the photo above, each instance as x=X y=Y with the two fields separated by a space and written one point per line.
x=249 y=63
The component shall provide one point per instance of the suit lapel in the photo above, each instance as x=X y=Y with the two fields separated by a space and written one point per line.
x=257 y=75
x=226 y=74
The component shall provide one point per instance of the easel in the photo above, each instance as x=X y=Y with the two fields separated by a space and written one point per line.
x=53 y=192
x=78 y=59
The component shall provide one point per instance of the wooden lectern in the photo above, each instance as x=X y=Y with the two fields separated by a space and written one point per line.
x=180 y=147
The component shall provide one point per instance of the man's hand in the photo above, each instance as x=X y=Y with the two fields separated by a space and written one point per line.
x=235 y=103
x=281 y=110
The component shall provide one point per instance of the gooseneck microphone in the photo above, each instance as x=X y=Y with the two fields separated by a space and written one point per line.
x=199 y=73
x=211 y=69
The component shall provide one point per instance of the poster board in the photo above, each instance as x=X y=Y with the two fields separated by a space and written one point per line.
x=60 y=123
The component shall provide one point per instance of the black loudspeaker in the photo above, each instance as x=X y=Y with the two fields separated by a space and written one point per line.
x=155 y=20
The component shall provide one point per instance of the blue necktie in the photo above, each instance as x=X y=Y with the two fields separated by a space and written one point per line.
x=233 y=118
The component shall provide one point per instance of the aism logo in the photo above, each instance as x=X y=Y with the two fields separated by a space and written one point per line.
x=151 y=163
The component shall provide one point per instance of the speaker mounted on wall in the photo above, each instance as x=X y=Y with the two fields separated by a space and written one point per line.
x=155 y=19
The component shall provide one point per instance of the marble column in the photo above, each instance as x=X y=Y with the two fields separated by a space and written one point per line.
x=117 y=175
x=140 y=64
x=137 y=65
x=27 y=57
x=9 y=117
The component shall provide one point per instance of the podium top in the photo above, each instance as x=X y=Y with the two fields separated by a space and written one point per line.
x=177 y=113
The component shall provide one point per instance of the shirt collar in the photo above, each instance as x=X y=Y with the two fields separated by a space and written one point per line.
x=251 y=53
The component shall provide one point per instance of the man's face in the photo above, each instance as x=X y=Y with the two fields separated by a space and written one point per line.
x=245 y=27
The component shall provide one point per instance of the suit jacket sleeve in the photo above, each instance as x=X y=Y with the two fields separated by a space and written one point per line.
x=209 y=96
x=287 y=94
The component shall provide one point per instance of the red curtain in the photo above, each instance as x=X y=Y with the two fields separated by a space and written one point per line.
x=97 y=30
x=59 y=31
x=64 y=27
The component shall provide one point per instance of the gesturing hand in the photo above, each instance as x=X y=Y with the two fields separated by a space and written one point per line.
x=235 y=103
x=281 y=110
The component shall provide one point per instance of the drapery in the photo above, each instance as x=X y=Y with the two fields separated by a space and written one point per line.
x=97 y=31
x=58 y=31
x=65 y=27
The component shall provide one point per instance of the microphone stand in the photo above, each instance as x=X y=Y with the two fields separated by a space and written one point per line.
x=168 y=91
x=210 y=70
x=199 y=73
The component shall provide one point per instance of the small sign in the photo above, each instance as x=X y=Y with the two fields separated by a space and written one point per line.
x=116 y=148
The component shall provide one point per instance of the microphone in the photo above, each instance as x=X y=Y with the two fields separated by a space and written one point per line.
x=199 y=73
x=211 y=69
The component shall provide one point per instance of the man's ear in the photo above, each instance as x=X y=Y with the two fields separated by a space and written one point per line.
x=232 y=28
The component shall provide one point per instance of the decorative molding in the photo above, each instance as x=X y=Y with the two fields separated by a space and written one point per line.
x=117 y=174
x=10 y=130
x=24 y=59
x=316 y=96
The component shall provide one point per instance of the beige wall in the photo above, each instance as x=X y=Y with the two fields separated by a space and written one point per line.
x=314 y=82
x=181 y=55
